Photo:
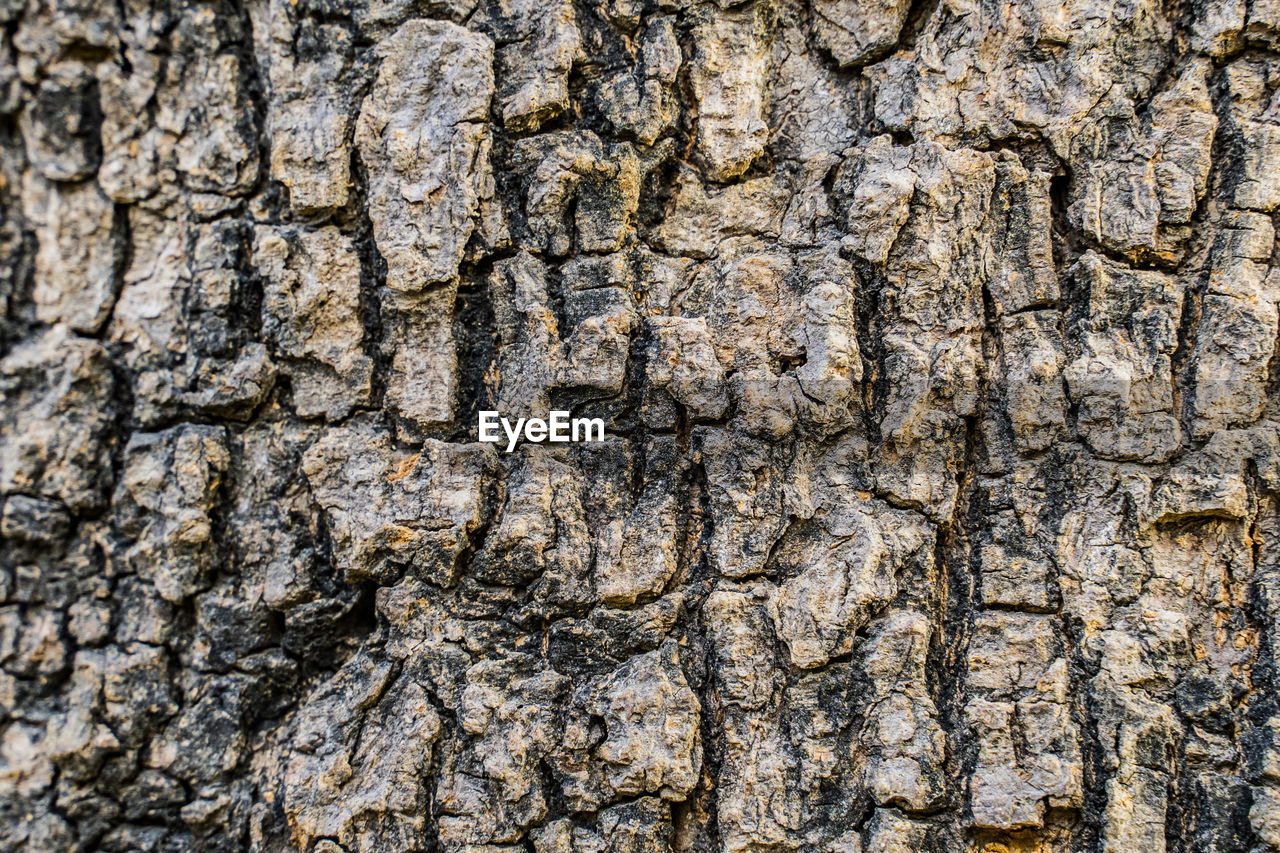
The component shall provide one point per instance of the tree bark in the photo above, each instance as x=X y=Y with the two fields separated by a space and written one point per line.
x=938 y=506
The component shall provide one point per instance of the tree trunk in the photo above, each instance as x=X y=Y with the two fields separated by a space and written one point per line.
x=938 y=501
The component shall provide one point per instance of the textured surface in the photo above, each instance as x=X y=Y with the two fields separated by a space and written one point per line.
x=940 y=508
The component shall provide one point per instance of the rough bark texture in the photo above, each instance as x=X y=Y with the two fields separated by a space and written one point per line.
x=940 y=508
